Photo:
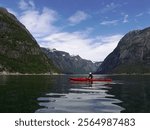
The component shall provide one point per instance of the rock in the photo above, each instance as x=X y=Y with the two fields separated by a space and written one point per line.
x=70 y=64
x=132 y=55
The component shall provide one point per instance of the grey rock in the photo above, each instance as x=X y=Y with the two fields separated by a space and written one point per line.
x=132 y=55
x=70 y=64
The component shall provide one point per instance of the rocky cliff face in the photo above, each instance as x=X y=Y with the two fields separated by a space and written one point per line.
x=70 y=64
x=19 y=51
x=132 y=55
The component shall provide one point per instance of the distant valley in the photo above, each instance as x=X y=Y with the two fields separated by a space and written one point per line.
x=70 y=64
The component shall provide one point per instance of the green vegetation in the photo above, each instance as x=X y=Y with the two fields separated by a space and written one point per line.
x=19 y=52
x=30 y=65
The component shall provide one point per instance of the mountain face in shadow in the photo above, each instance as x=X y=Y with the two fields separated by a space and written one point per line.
x=132 y=55
x=19 y=51
x=70 y=64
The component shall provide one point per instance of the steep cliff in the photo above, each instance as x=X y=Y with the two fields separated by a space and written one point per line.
x=132 y=55
x=19 y=51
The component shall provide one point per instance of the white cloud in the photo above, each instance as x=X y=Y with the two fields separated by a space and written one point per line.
x=125 y=19
x=109 y=7
x=31 y=3
x=39 y=23
x=95 y=49
x=26 y=5
x=140 y=14
x=78 y=17
x=111 y=22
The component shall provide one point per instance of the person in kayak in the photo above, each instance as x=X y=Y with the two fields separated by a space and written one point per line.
x=90 y=75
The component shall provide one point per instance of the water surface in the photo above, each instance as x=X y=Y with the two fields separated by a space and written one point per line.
x=58 y=94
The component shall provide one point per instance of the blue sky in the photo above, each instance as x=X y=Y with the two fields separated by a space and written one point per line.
x=89 y=28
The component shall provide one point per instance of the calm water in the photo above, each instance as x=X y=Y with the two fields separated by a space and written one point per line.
x=58 y=94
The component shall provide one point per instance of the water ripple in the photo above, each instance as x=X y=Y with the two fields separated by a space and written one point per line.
x=81 y=98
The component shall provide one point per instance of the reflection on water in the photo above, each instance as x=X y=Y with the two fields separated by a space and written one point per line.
x=58 y=94
x=80 y=97
x=19 y=93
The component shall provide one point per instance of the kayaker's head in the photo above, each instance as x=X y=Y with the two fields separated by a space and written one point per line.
x=90 y=73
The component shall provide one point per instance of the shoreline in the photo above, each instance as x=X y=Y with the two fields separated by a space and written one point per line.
x=131 y=74
x=17 y=73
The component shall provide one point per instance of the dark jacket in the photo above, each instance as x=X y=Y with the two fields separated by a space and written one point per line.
x=90 y=76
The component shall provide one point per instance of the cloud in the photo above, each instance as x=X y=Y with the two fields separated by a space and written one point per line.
x=125 y=19
x=110 y=7
x=111 y=22
x=95 y=49
x=39 y=23
x=23 y=5
x=78 y=17
x=140 y=14
x=31 y=3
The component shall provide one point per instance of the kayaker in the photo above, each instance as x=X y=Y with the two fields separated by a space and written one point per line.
x=90 y=75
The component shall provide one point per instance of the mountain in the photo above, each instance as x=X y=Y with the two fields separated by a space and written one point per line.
x=70 y=64
x=19 y=51
x=132 y=55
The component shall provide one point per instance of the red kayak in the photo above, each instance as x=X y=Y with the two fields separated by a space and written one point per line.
x=94 y=79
